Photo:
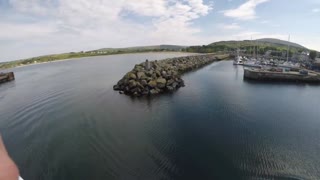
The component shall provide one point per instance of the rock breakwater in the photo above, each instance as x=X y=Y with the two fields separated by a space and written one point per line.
x=154 y=77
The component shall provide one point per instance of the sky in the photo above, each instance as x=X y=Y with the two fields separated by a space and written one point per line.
x=38 y=27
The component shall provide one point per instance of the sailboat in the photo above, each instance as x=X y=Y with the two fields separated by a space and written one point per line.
x=238 y=61
x=253 y=63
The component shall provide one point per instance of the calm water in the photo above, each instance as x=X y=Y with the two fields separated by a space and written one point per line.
x=63 y=121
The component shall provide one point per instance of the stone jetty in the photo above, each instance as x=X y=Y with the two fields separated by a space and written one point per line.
x=154 y=77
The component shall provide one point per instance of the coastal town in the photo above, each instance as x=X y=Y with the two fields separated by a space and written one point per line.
x=303 y=66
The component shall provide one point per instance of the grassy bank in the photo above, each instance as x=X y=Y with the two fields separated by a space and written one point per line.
x=73 y=55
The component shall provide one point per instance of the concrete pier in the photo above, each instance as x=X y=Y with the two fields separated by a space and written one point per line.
x=264 y=75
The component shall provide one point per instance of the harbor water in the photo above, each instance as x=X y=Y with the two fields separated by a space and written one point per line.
x=63 y=121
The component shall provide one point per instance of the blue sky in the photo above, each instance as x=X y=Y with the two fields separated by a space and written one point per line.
x=38 y=27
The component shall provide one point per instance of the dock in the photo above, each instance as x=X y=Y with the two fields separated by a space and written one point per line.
x=291 y=76
x=6 y=77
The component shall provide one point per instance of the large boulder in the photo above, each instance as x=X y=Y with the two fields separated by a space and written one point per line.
x=161 y=83
x=158 y=73
x=149 y=73
x=152 y=83
x=131 y=75
x=170 y=81
x=144 y=82
x=170 y=88
x=175 y=85
x=154 y=91
x=132 y=83
x=138 y=68
x=146 y=91
x=140 y=86
x=116 y=88
x=141 y=75
x=164 y=73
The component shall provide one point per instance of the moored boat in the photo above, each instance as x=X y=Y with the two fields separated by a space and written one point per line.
x=252 y=64
x=238 y=60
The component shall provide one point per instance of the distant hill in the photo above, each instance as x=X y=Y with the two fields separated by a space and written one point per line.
x=261 y=45
x=281 y=42
x=259 y=42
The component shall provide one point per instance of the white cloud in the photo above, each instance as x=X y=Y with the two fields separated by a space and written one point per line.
x=316 y=10
x=74 y=25
x=245 y=11
x=10 y=31
x=32 y=6
x=265 y=22
x=233 y=26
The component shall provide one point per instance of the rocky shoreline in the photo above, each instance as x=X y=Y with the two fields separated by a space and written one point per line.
x=155 y=77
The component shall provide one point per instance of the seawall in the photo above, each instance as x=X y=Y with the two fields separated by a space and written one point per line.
x=259 y=75
x=154 y=77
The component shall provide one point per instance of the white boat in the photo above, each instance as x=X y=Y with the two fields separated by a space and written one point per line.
x=252 y=64
x=238 y=60
x=290 y=65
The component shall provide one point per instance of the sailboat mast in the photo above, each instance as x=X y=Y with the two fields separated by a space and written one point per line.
x=288 y=49
x=238 y=50
x=251 y=49
x=257 y=50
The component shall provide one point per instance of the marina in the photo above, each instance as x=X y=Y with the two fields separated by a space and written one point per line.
x=265 y=67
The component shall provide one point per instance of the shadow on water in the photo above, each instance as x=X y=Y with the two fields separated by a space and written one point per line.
x=152 y=97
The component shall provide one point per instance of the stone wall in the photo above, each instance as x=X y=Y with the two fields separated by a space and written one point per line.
x=154 y=77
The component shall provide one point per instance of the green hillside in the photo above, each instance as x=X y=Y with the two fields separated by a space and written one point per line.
x=262 y=46
x=281 y=42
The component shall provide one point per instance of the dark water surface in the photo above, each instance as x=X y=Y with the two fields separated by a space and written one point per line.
x=63 y=121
